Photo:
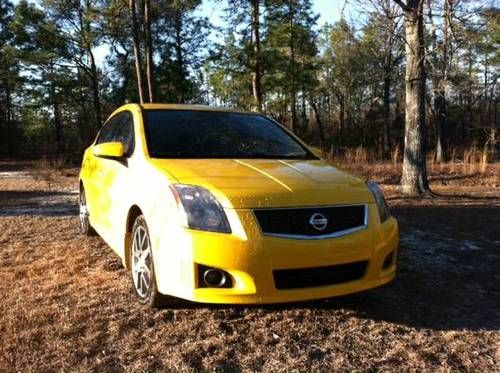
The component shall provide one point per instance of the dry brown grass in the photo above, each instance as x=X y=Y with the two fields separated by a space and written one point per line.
x=49 y=170
x=67 y=305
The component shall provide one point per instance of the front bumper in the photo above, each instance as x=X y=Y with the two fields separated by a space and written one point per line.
x=251 y=257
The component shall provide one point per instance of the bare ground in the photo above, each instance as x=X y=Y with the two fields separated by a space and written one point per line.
x=66 y=302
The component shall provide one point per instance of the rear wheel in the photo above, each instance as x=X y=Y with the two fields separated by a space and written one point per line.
x=141 y=263
x=85 y=227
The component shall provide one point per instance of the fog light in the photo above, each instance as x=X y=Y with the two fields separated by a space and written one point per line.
x=213 y=278
x=388 y=260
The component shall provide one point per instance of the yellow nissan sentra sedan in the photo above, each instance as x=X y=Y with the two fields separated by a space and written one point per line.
x=217 y=206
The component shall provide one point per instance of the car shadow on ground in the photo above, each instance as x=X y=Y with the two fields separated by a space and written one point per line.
x=447 y=276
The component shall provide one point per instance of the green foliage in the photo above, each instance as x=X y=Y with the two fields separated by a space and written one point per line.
x=292 y=54
x=230 y=65
x=54 y=94
x=288 y=60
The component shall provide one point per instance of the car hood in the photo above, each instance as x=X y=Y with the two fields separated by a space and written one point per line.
x=258 y=183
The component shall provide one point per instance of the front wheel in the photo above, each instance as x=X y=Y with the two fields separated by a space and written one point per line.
x=141 y=260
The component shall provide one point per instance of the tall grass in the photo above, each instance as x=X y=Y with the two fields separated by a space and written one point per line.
x=484 y=159
x=357 y=155
x=396 y=156
x=48 y=169
x=468 y=161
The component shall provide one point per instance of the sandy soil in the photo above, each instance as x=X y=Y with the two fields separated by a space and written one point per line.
x=67 y=303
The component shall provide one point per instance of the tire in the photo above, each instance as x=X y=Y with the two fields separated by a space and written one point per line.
x=85 y=227
x=142 y=266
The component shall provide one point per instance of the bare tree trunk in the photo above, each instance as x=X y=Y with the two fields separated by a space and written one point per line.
x=149 y=50
x=256 y=74
x=95 y=91
x=179 y=54
x=440 y=110
x=441 y=104
x=137 y=50
x=55 y=112
x=293 y=89
x=320 y=126
x=414 y=177
x=387 y=114
x=469 y=98
x=440 y=77
x=9 y=120
x=83 y=122
x=92 y=73
x=293 y=107
x=341 y=99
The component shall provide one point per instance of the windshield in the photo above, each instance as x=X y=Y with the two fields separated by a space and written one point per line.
x=210 y=134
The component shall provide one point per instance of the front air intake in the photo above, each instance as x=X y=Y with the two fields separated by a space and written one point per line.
x=318 y=276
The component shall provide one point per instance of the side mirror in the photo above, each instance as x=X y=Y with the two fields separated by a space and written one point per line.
x=112 y=150
x=316 y=151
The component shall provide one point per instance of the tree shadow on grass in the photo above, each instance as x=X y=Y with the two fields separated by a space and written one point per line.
x=13 y=166
x=38 y=203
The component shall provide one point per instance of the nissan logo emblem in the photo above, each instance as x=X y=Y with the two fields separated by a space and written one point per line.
x=318 y=221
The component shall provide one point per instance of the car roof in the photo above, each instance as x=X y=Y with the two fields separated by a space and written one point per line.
x=158 y=106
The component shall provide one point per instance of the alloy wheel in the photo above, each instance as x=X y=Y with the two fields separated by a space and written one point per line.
x=83 y=214
x=141 y=262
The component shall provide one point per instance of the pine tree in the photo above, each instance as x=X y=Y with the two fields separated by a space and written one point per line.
x=291 y=44
x=183 y=37
x=9 y=80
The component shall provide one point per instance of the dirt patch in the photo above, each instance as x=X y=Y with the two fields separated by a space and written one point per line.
x=67 y=304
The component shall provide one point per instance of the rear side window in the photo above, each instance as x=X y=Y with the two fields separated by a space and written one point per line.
x=120 y=128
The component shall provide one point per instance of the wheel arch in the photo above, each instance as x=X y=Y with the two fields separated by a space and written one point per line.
x=134 y=212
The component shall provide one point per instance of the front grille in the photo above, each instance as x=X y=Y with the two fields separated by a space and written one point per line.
x=318 y=276
x=296 y=222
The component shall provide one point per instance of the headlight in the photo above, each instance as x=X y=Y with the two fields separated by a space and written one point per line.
x=200 y=209
x=383 y=209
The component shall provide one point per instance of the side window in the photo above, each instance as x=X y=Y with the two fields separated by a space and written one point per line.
x=106 y=134
x=124 y=132
x=120 y=128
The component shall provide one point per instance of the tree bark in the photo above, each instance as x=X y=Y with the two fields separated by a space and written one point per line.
x=9 y=120
x=95 y=91
x=179 y=53
x=293 y=89
x=320 y=126
x=56 y=112
x=387 y=114
x=256 y=74
x=414 y=177
x=149 y=50
x=439 y=80
x=440 y=112
x=137 y=50
x=341 y=99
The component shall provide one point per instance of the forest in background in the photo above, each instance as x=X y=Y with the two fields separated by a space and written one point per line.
x=354 y=83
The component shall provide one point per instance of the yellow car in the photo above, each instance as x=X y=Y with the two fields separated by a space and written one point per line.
x=218 y=206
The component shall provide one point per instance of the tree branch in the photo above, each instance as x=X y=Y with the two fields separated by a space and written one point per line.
x=402 y=5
